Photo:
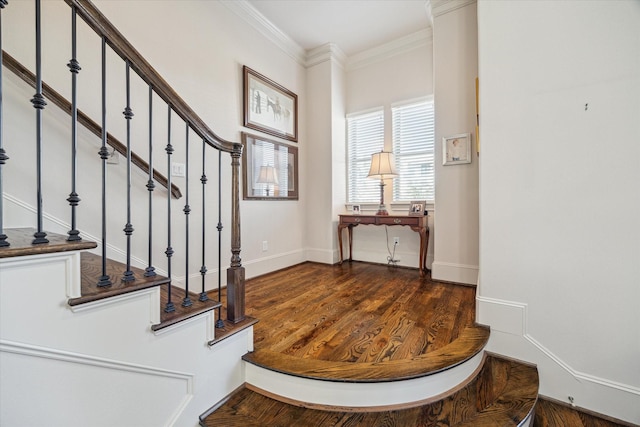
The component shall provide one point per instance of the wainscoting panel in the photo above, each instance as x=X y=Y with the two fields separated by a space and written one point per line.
x=62 y=379
x=558 y=379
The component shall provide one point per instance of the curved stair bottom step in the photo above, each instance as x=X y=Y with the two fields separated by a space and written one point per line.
x=503 y=393
x=351 y=394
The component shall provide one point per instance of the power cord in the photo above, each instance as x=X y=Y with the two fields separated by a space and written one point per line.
x=391 y=259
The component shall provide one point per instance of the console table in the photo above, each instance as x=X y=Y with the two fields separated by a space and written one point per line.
x=417 y=224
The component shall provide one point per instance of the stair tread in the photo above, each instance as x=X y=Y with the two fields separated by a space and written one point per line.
x=20 y=243
x=471 y=340
x=514 y=397
x=91 y=271
x=181 y=313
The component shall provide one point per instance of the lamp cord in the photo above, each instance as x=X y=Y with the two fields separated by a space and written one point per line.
x=391 y=259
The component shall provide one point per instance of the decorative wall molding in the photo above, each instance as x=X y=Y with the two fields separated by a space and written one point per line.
x=34 y=351
x=24 y=349
x=323 y=53
x=510 y=317
x=417 y=40
x=326 y=52
x=255 y=19
x=441 y=7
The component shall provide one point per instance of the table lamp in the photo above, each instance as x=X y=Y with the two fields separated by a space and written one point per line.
x=382 y=167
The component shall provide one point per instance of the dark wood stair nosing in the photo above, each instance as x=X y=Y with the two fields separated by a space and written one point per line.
x=20 y=243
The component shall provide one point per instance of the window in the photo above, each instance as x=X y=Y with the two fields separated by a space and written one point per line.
x=413 y=147
x=365 y=136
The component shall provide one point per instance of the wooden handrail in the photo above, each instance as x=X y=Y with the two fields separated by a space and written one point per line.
x=49 y=93
x=101 y=26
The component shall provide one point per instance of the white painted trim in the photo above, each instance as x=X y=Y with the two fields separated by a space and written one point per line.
x=23 y=349
x=71 y=262
x=441 y=7
x=324 y=256
x=361 y=395
x=95 y=305
x=504 y=325
x=180 y=325
x=452 y=272
x=418 y=40
x=268 y=264
x=326 y=52
x=260 y=23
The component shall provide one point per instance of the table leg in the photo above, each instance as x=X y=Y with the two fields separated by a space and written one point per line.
x=340 y=227
x=350 y=228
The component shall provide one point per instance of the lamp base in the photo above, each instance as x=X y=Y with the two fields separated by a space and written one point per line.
x=382 y=211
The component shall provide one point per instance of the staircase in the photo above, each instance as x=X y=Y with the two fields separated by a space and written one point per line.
x=109 y=313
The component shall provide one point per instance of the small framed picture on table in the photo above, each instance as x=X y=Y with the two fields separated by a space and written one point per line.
x=355 y=209
x=416 y=207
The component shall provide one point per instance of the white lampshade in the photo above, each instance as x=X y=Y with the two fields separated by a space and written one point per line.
x=267 y=175
x=383 y=166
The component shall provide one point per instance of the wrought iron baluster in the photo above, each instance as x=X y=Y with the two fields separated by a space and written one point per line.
x=128 y=228
x=219 y=322
x=74 y=68
x=104 y=280
x=39 y=103
x=169 y=307
x=186 y=302
x=203 y=180
x=3 y=153
x=150 y=271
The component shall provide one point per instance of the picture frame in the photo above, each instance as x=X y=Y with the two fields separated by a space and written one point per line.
x=456 y=149
x=355 y=209
x=268 y=106
x=417 y=207
x=269 y=169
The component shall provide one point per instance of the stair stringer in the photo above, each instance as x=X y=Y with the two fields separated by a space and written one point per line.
x=102 y=366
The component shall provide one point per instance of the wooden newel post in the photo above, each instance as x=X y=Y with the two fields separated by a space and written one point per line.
x=235 y=273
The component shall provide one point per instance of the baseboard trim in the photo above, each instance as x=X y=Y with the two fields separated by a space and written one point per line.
x=457 y=273
x=510 y=336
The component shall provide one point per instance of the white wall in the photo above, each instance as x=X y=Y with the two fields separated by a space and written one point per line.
x=455 y=70
x=560 y=167
x=381 y=81
x=199 y=48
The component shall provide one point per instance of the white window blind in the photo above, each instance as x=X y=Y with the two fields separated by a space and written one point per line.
x=413 y=147
x=365 y=136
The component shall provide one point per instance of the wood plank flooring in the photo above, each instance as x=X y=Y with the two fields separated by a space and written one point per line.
x=550 y=413
x=356 y=312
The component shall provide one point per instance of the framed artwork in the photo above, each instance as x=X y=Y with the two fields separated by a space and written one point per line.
x=456 y=149
x=355 y=209
x=269 y=107
x=270 y=169
x=416 y=207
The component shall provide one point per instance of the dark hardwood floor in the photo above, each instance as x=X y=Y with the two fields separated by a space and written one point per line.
x=356 y=312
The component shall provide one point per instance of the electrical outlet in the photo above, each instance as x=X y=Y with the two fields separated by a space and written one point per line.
x=178 y=169
x=113 y=158
x=396 y=240
x=265 y=246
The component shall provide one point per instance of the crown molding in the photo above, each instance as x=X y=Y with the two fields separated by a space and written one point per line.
x=255 y=19
x=419 y=39
x=325 y=52
x=441 y=7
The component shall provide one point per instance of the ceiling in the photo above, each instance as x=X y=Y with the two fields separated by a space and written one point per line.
x=353 y=25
